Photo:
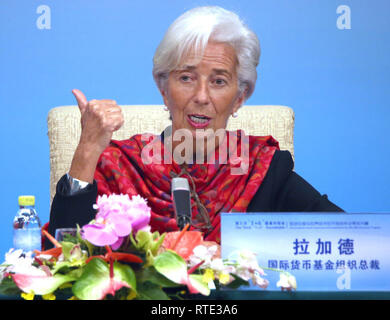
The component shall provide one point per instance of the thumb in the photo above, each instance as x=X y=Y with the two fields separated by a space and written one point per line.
x=81 y=100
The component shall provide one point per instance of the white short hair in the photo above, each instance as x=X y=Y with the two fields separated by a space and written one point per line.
x=194 y=29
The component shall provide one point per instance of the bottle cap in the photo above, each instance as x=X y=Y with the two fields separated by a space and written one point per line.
x=26 y=200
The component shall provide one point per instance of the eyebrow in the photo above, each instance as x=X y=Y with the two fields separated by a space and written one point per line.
x=223 y=71
x=185 y=68
x=192 y=67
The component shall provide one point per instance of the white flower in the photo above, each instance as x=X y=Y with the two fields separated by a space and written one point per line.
x=287 y=281
x=202 y=253
x=259 y=281
x=222 y=270
x=16 y=256
x=248 y=268
x=45 y=257
x=18 y=262
x=217 y=265
x=243 y=273
x=247 y=262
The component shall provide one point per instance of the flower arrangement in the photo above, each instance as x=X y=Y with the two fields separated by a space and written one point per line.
x=116 y=256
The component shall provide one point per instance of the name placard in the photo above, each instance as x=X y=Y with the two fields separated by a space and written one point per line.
x=324 y=251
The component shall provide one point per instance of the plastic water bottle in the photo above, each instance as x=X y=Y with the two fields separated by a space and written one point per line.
x=27 y=226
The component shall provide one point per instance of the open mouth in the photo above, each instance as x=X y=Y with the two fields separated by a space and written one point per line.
x=199 y=119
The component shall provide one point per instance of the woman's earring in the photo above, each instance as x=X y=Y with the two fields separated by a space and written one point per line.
x=235 y=115
x=165 y=108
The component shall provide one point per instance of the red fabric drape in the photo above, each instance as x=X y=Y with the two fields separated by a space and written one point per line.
x=122 y=170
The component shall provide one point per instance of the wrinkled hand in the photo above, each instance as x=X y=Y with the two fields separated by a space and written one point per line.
x=99 y=120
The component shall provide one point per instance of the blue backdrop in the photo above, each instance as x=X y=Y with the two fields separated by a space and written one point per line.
x=333 y=71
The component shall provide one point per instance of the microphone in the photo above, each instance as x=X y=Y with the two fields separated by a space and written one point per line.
x=181 y=201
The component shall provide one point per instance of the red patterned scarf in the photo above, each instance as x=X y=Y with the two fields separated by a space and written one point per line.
x=122 y=169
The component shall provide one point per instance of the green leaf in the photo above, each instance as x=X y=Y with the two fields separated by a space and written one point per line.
x=95 y=282
x=66 y=249
x=75 y=273
x=172 y=266
x=133 y=241
x=62 y=267
x=73 y=255
x=146 y=241
x=41 y=285
x=9 y=288
x=156 y=235
x=198 y=283
x=150 y=274
x=69 y=268
x=157 y=243
x=84 y=243
x=151 y=291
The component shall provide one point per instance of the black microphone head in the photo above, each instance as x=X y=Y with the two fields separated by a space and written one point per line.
x=181 y=199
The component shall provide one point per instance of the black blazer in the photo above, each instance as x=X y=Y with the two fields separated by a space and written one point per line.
x=282 y=190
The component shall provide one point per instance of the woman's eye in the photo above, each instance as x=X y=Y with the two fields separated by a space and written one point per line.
x=220 y=82
x=185 y=78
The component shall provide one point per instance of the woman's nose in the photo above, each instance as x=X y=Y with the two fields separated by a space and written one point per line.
x=202 y=93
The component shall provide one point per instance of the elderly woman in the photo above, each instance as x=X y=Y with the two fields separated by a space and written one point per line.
x=205 y=69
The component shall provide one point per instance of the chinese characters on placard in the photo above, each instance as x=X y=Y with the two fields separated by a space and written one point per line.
x=345 y=246
x=301 y=247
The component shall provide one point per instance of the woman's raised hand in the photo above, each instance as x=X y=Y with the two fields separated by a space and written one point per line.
x=99 y=120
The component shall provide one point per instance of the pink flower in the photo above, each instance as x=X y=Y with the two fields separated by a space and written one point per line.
x=117 y=217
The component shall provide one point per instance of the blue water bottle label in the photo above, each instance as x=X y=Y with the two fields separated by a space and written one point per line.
x=27 y=239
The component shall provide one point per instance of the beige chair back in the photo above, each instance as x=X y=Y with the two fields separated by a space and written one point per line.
x=64 y=129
